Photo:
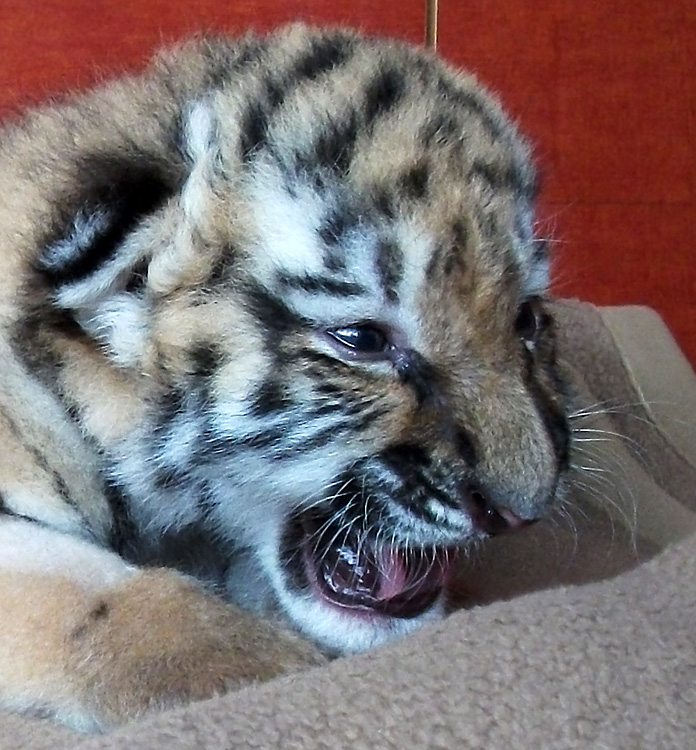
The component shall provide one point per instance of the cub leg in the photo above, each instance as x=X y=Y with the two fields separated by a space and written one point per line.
x=92 y=641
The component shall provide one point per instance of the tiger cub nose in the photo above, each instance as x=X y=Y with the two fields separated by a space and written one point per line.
x=490 y=517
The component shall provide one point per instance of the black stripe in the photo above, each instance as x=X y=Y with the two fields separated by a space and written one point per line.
x=337 y=224
x=270 y=398
x=416 y=371
x=60 y=486
x=321 y=284
x=124 y=534
x=325 y=54
x=466 y=446
x=436 y=492
x=214 y=445
x=473 y=102
x=333 y=232
x=411 y=463
x=275 y=317
x=333 y=147
x=501 y=177
x=319 y=439
x=382 y=94
x=323 y=409
x=390 y=267
x=125 y=190
x=169 y=476
x=226 y=60
x=552 y=415
x=454 y=259
x=444 y=127
x=413 y=183
x=206 y=359
x=253 y=129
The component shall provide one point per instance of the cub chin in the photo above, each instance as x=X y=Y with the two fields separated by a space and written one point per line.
x=272 y=315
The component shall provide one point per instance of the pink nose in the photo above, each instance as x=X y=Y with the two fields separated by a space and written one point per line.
x=491 y=518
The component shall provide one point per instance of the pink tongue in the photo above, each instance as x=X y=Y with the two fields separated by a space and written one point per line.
x=393 y=578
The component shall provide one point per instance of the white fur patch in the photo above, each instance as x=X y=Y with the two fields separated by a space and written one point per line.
x=27 y=547
x=199 y=134
x=287 y=226
x=120 y=323
x=85 y=229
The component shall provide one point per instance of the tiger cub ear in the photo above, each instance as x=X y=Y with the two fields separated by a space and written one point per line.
x=190 y=252
x=135 y=233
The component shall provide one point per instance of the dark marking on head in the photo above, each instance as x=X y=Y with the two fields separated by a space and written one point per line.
x=466 y=446
x=474 y=103
x=413 y=184
x=460 y=242
x=253 y=129
x=273 y=314
x=226 y=60
x=415 y=468
x=137 y=278
x=383 y=200
x=206 y=358
x=444 y=127
x=214 y=445
x=411 y=454
x=382 y=94
x=390 y=266
x=415 y=371
x=451 y=256
x=321 y=284
x=171 y=404
x=334 y=146
x=270 y=398
x=502 y=177
x=122 y=191
x=325 y=54
x=332 y=232
x=169 y=477
x=288 y=449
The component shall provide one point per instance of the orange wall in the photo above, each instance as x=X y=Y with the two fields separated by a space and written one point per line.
x=48 y=45
x=605 y=89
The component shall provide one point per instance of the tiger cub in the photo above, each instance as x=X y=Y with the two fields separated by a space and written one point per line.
x=272 y=330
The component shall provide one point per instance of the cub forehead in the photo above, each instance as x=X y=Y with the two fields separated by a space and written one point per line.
x=334 y=261
x=345 y=148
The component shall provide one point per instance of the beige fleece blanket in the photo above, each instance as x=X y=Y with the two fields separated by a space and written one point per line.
x=578 y=634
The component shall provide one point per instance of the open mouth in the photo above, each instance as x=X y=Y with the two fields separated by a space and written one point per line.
x=347 y=568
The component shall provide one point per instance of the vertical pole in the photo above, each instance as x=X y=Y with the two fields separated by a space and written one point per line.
x=431 y=24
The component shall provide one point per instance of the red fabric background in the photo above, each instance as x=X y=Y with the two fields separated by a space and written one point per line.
x=606 y=89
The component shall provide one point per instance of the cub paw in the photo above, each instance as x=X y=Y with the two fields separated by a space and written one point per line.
x=159 y=640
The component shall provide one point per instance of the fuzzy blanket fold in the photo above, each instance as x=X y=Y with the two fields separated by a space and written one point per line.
x=547 y=663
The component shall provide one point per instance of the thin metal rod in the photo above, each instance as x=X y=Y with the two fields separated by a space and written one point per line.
x=431 y=24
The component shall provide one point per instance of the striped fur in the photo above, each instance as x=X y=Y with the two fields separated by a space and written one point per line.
x=274 y=301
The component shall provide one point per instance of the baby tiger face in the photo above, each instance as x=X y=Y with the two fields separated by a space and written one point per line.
x=332 y=316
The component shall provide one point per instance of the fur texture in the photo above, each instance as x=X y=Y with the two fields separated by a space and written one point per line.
x=272 y=315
